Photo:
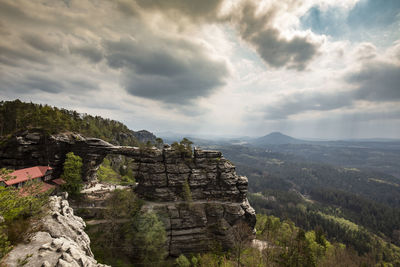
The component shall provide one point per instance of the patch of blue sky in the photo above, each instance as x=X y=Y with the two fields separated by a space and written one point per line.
x=374 y=21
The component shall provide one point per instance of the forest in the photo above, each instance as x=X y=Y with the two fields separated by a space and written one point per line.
x=311 y=213
x=351 y=204
x=19 y=116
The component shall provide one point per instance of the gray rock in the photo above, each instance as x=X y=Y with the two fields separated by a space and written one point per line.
x=219 y=194
x=61 y=241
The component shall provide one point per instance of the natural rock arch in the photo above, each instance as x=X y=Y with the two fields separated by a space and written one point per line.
x=219 y=194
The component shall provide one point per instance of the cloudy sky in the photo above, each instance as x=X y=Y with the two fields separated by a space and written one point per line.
x=311 y=68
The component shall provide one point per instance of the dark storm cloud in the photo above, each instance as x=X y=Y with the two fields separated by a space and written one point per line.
x=91 y=53
x=173 y=71
x=13 y=56
x=375 y=82
x=275 y=50
x=279 y=52
x=41 y=44
x=194 y=9
x=256 y=29
x=44 y=83
x=9 y=10
x=127 y=7
x=302 y=102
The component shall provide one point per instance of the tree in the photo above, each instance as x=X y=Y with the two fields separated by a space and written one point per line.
x=15 y=211
x=241 y=237
x=122 y=204
x=148 y=239
x=184 y=147
x=72 y=174
x=187 y=144
x=159 y=142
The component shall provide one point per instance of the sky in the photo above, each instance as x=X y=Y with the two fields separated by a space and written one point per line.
x=312 y=68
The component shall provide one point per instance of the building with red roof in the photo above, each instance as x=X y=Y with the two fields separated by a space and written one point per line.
x=20 y=177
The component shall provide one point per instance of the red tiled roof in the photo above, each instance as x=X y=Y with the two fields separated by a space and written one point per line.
x=58 y=181
x=27 y=174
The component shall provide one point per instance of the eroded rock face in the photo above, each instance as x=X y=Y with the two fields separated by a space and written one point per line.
x=162 y=173
x=219 y=198
x=219 y=195
x=27 y=149
x=196 y=227
x=61 y=241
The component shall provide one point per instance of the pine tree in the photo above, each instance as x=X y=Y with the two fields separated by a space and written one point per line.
x=72 y=174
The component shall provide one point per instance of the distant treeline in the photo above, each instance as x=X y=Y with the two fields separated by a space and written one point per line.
x=16 y=116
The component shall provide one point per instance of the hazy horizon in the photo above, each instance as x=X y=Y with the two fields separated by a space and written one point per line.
x=309 y=69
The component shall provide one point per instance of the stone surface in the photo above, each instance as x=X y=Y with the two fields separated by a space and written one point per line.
x=219 y=195
x=196 y=227
x=61 y=241
x=208 y=173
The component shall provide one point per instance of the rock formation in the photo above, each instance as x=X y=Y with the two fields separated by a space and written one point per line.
x=61 y=241
x=218 y=194
x=32 y=148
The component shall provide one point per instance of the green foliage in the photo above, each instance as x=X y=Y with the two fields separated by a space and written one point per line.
x=5 y=244
x=129 y=237
x=195 y=261
x=13 y=205
x=187 y=194
x=159 y=142
x=16 y=210
x=241 y=233
x=182 y=261
x=72 y=174
x=5 y=174
x=184 y=147
x=289 y=245
x=148 y=238
x=122 y=204
x=110 y=241
x=106 y=173
x=16 y=115
x=213 y=259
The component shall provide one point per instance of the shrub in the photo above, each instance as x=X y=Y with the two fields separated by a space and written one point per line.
x=182 y=261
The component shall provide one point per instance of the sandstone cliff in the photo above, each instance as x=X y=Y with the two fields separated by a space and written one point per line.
x=60 y=242
x=219 y=195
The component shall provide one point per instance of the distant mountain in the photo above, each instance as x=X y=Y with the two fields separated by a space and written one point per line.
x=276 y=138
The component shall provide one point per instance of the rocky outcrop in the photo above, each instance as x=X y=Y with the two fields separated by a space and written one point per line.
x=144 y=136
x=27 y=149
x=61 y=241
x=198 y=226
x=219 y=195
x=32 y=148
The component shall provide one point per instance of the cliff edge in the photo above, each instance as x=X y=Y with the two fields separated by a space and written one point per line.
x=60 y=242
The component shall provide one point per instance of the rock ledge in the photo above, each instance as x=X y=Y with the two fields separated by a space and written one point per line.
x=61 y=241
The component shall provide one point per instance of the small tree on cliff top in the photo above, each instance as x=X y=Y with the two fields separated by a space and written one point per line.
x=72 y=174
x=184 y=147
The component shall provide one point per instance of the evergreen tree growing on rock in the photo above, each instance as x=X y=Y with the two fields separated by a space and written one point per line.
x=72 y=174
